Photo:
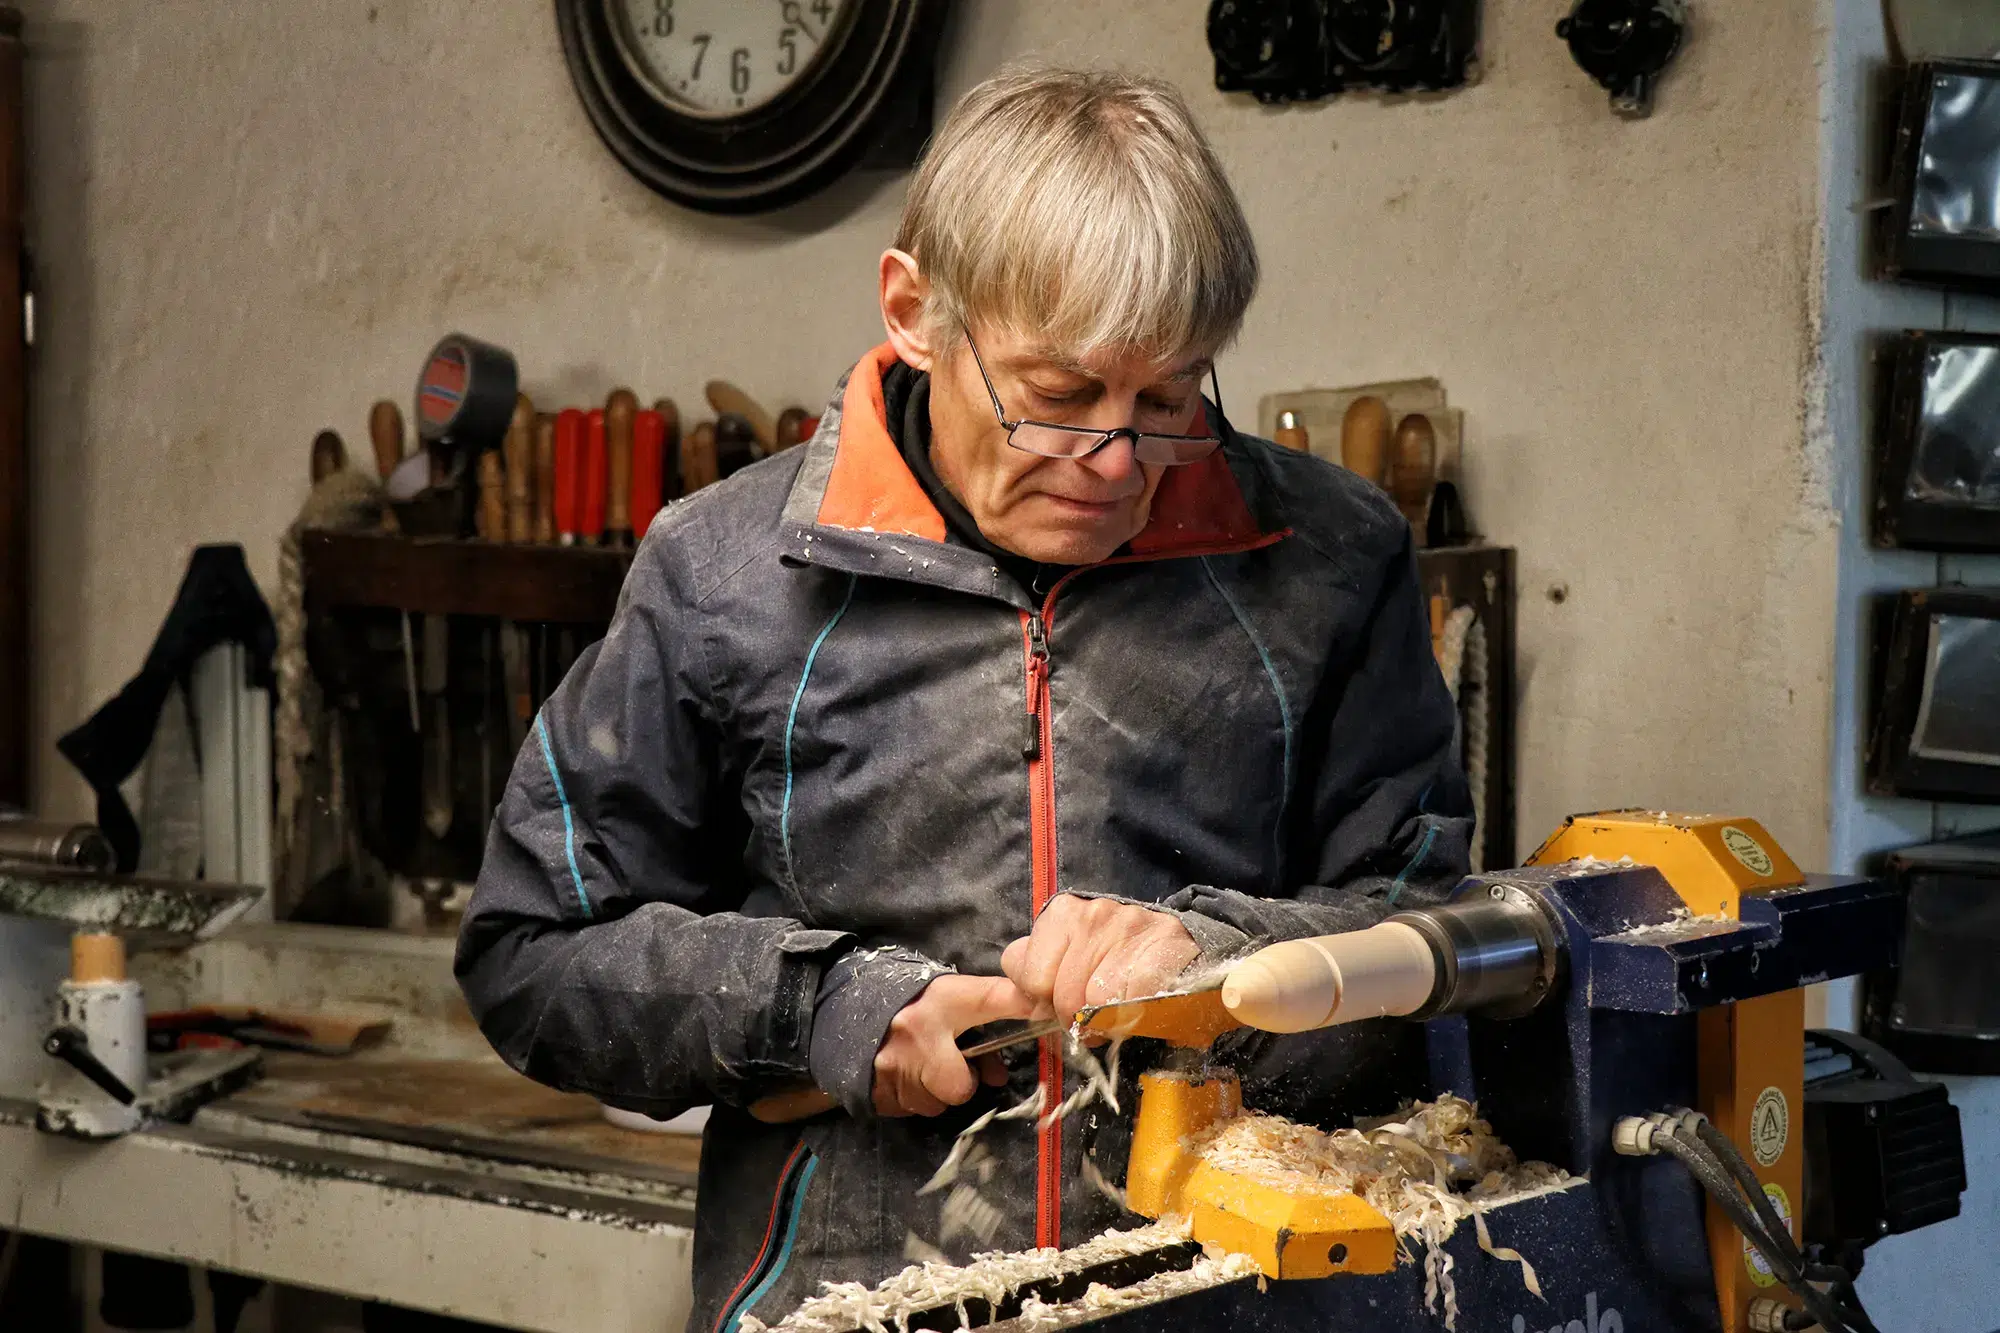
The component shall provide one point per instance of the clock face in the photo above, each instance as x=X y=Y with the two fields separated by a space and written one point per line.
x=722 y=58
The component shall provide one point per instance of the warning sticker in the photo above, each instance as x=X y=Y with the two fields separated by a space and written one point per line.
x=1747 y=850
x=1760 y=1270
x=1770 y=1127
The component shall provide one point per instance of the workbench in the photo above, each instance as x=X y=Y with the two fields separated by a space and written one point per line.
x=424 y=1173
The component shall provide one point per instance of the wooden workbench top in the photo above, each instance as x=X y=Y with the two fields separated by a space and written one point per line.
x=472 y=1106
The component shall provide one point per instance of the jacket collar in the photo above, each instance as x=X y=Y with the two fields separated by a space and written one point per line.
x=856 y=506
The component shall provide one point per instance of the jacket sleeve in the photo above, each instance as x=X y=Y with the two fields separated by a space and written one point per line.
x=1389 y=821
x=605 y=950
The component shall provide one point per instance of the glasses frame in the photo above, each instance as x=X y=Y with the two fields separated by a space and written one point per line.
x=1104 y=437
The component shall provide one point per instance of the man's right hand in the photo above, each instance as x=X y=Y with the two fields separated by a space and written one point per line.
x=918 y=1070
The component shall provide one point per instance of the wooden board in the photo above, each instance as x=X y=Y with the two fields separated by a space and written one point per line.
x=573 y=585
x=465 y=1105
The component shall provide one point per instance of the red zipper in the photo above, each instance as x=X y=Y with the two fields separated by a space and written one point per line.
x=1038 y=748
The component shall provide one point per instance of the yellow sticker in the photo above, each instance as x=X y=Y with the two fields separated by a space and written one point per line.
x=1747 y=850
x=1770 y=1127
x=1760 y=1271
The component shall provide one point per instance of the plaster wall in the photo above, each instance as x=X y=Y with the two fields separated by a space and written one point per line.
x=248 y=228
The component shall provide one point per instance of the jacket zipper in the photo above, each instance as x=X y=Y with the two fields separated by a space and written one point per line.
x=1035 y=748
x=1038 y=748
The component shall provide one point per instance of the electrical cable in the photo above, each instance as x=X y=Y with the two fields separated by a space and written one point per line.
x=1724 y=1149
x=1713 y=1178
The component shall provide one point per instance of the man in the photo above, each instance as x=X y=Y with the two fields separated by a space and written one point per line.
x=934 y=721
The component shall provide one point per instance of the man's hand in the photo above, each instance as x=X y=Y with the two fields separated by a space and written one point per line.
x=918 y=1070
x=1086 y=951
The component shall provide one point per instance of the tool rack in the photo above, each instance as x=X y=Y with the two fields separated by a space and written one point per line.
x=360 y=589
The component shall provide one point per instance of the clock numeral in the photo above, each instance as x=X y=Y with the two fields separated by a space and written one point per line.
x=739 y=70
x=663 y=18
x=823 y=10
x=701 y=41
x=788 y=40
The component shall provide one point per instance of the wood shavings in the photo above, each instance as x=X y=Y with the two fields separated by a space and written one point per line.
x=1039 y=1317
x=967 y=1212
x=961 y=1147
x=1094 y=1177
x=1681 y=923
x=1100 y=1084
x=918 y=1250
x=990 y=1277
x=1404 y=1166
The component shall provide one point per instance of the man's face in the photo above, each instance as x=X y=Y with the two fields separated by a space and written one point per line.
x=1071 y=511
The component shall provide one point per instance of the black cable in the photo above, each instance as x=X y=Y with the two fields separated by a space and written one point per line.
x=1725 y=1150
x=1722 y=1189
x=1733 y=1162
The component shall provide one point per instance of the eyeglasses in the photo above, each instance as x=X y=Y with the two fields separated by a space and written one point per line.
x=1050 y=440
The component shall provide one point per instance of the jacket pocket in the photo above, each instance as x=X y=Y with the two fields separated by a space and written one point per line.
x=781 y=1234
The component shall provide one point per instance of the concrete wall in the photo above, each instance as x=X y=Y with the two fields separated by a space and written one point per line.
x=250 y=228
x=1942 y=1279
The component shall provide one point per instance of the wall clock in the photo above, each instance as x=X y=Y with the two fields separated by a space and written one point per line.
x=738 y=106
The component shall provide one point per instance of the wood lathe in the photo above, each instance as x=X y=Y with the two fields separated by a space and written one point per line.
x=1627 y=1010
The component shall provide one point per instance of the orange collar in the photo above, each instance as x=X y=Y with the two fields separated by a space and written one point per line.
x=871 y=488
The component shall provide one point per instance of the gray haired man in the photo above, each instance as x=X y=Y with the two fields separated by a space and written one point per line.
x=956 y=713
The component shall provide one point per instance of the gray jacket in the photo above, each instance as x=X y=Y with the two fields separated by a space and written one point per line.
x=824 y=754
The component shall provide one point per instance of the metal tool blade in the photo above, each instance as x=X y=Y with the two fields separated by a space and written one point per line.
x=1047 y=1027
x=1193 y=1016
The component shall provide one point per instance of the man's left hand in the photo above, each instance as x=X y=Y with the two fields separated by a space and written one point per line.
x=1086 y=951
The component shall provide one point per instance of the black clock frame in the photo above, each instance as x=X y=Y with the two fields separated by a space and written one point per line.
x=866 y=99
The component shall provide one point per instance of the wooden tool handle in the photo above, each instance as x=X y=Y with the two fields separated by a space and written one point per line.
x=726 y=397
x=670 y=449
x=1414 y=471
x=788 y=425
x=1364 y=437
x=385 y=433
x=492 y=497
x=329 y=455
x=566 y=498
x=800 y=1103
x=545 y=478
x=1290 y=433
x=519 y=452
x=698 y=466
x=619 y=409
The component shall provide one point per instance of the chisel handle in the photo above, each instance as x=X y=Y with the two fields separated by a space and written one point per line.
x=649 y=451
x=566 y=500
x=545 y=477
x=619 y=410
x=590 y=517
x=385 y=433
x=518 y=451
x=492 y=525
